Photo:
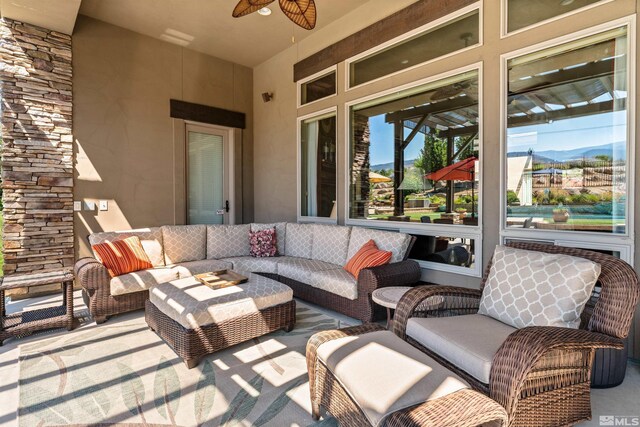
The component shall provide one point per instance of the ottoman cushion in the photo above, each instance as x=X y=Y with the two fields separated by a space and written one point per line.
x=194 y=305
x=361 y=365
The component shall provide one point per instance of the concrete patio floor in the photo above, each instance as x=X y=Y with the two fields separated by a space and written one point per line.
x=620 y=401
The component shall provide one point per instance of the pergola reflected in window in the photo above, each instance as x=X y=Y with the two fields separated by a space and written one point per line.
x=415 y=154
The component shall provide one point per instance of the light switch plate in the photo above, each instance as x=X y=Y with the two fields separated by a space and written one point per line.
x=77 y=205
x=89 y=206
x=103 y=205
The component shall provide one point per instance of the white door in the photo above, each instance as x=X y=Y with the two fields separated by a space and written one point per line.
x=208 y=176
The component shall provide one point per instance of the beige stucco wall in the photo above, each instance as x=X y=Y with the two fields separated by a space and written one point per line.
x=275 y=146
x=127 y=147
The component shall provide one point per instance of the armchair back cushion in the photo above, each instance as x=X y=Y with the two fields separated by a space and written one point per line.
x=151 y=239
x=330 y=243
x=226 y=241
x=396 y=243
x=281 y=232
x=299 y=239
x=184 y=243
x=531 y=288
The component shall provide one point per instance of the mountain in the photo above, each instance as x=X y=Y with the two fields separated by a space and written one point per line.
x=616 y=150
x=390 y=165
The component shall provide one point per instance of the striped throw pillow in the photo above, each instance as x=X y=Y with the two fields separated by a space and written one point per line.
x=122 y=256
x=368 y=256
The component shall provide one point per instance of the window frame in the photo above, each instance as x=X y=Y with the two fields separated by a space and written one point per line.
x=469 y=231
x=504 y=18
x=479 y=5
x=314 y=219
x=568 y=237
x=327 y=71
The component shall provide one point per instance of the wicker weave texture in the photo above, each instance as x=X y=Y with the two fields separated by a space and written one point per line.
x=193 y=344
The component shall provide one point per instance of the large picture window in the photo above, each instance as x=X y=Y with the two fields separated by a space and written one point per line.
x=567 y=136
x=414 y=154
x=318 y=166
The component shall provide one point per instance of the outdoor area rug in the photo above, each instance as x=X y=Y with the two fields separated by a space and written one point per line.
x=123 y=373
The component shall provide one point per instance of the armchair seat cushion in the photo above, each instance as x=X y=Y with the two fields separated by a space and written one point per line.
x=141 y=280
x=251 y=264
x=191 y=268
x=337 y=281
x=468 y=342
x=300 y=269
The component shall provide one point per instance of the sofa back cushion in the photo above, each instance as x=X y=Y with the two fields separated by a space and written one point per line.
x=151 y=239
x=531 y=288
x=184 y=243
x=226 y=241
x=330 y=243
x=299 y=238
x=281 y=232
x=396 y=243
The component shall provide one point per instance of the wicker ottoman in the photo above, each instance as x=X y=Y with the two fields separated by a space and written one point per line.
x=196 y=320
x=367 y=376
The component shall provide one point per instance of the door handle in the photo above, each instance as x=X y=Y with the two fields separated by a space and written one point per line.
x=226 y=206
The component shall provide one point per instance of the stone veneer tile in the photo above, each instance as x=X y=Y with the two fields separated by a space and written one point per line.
x=37 y=147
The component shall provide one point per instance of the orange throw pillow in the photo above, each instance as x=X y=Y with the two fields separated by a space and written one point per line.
x=122 y=256
x=368 y=256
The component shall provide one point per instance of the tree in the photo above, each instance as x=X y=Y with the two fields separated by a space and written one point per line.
x=433 y=155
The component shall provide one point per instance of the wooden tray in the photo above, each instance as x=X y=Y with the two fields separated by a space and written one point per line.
x=221 y=279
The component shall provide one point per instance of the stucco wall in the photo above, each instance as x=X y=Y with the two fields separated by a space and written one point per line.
x=128 y=147
x=275 y=146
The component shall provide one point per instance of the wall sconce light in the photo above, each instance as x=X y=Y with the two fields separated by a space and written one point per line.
x=266 y=96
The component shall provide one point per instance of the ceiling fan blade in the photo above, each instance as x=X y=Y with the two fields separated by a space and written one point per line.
x=245 y=7
x=301 y=12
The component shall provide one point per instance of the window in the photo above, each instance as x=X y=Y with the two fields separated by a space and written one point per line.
x=414 y=154
x=444 y=250
x=524 y=13
x=454 y=35
x=318 y=88
x=318 y=166
x=567 y=137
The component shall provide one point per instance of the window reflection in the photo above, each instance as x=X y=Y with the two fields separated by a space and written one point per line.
x=318 y=167
x=456 y=251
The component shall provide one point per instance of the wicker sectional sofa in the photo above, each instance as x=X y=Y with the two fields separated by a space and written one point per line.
x=310 y=261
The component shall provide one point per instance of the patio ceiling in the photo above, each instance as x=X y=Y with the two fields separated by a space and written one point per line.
x=207 y=26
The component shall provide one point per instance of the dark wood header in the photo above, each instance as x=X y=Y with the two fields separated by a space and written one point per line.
x=401 y=22
x=206 y=114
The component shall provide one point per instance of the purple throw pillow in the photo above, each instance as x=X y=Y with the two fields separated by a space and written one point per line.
x=263 y=243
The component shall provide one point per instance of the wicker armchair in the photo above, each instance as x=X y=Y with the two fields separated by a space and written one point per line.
x=540 y=375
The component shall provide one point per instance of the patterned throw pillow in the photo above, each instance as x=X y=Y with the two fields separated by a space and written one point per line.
x=532 y=288
x=263 y=243
x=368 y=256
x=122 y=256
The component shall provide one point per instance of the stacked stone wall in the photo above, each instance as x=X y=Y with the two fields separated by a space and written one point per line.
x=37 y=148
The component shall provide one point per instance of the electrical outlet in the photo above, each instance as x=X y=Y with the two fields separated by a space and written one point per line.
x=77 y=205
x=103 y=205
x=89 y=206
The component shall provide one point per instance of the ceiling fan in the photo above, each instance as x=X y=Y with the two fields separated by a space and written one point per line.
x=301 y=12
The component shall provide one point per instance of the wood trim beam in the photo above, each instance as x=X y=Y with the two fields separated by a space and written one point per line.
x=206 y=114
x=431 y=109
x=414 y=16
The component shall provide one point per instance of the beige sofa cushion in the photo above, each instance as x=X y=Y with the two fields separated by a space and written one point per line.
x=330 y=243
x=362 y=366
x=468 y=342
x=299 y=238
x=281 y=233
x=151 y=239
x=193 y=305
x=191 y=268
x=531 y=288
x=224 y=241
x=396 y=243
x=337 y=281
x=141 y=280
x=254 y=265
x=184 y=243
x=300 y=269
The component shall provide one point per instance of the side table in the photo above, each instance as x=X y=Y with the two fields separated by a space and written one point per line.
x=390 y=296
x=29 y=321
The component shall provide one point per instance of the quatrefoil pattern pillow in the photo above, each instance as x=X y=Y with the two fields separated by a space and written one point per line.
x=531 y=288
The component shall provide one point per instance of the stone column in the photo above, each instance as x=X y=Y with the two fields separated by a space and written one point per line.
x=37 y=148
x=360 y=167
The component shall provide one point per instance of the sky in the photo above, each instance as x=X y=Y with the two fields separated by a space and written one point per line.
x=573 y=133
